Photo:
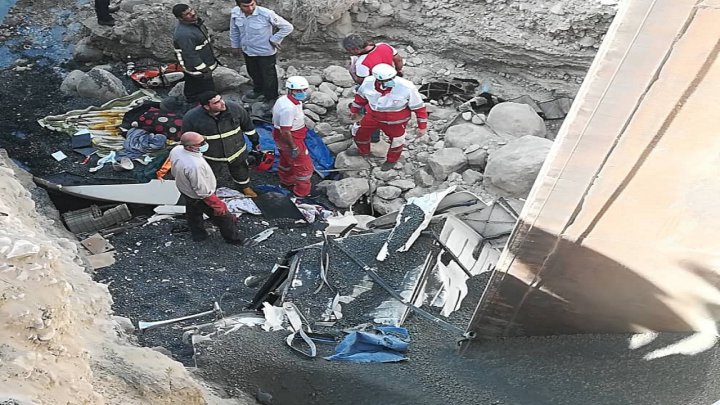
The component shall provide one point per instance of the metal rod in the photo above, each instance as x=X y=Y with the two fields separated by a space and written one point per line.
x=449 y=252
x=370 y=272
x=143 y=326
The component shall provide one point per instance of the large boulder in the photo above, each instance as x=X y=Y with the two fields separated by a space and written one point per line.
x=227 y=79
x=464 y=135
x=322 y=99
x=101 y=85
x=85 y=52
x=516 y=120
x=338 y=76
x=383 y=207
x=329 y=89
x=514 y=167
x=446 y=161
x=477 y=159
x=388 y=192
x=344 y=161
x=344 y=193
x=343 y=111
x=339 y=147
x=70 y=83
x=403 y=184
x=423 y=178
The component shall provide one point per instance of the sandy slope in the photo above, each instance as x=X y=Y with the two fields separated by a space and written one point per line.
x=59 y=342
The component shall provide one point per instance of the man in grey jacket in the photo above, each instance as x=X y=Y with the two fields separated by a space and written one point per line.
x=194 y=52
x=252 y=35
x=196 y=182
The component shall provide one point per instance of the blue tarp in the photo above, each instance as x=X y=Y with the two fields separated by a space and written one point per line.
x=321 y=156
x=384 y=344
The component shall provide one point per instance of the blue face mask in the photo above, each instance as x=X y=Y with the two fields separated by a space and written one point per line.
x=204 y=147
x=388 y=84
x=300 y=96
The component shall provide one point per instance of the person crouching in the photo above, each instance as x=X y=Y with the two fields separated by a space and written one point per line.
x=196 y=182
x=289 y=131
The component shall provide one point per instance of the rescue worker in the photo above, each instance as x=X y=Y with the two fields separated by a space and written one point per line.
x=194 y=52
x=289 y=130
x=389 y=100
x=196 y=182
x=223 y=124
x=251 y=34
x=365 y=55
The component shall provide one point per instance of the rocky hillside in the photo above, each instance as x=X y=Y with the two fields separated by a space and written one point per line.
x=550 y=44
x=60 y=344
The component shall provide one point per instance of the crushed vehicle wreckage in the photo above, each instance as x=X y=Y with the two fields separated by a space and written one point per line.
x=361 y=282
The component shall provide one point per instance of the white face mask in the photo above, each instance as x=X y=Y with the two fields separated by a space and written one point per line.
x=204 y=147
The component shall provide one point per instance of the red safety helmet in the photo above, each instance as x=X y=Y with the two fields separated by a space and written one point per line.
x=264 y=160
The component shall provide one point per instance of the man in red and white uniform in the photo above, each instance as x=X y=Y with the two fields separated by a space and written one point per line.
x=366 y=55
x=388 y=101
x=289 y=131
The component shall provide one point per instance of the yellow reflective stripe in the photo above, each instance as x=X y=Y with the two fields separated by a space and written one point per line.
x=223 y=135
x=201 y=66
x=228 y=159
x=201 y=46
x=253 y=132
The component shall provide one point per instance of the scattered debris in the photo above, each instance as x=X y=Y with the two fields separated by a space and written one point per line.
x=93 y=219
x=101 y=260
x=155 y=192
x=216 y=311
x=96 y=244
x=381 y=344
x=260 y=237
x=59 y=155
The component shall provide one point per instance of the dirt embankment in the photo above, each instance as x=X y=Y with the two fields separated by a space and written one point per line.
x=59 y=341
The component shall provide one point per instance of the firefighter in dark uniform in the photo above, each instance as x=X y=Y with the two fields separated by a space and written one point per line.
x=223 y=123
x=194 y=52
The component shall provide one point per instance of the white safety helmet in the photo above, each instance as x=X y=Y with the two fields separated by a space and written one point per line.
x=297 y=83
x=383 y=71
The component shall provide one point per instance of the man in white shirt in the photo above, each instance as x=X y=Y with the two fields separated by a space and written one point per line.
x=289 y=131
x=196 y=182
x=251 y=34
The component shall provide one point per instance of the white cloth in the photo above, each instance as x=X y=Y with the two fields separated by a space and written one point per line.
x=288 y=114
x=193 y=176
x=254 y=33
x=403 y=95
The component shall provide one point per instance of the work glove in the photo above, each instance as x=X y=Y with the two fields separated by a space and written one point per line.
x=218 y=206
x=294 y=153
